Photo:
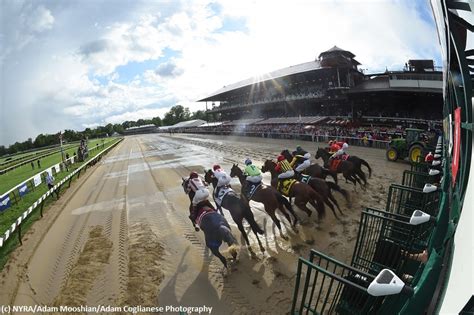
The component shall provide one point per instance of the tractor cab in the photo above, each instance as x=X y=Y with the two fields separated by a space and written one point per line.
x=414 y=135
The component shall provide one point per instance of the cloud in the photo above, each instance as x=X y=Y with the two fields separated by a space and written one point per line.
x=62 y=59
x=169 y=69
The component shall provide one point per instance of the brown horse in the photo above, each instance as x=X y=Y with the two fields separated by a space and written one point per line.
x=347 y=168
x=358 y=162
x=303 y=193
x=238 y=210
x=269 y=197
x=314 y=170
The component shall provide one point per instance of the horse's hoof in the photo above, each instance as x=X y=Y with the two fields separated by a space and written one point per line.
x=262 y=249
x=284 y=237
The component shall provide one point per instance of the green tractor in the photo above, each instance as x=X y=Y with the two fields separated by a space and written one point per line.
x=413 y=146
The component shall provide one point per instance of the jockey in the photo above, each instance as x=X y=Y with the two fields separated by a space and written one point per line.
x=338 y=154
x=301 y=158
x=253 y=173
x=222 y=178
x=334 y=146
x=254 y=176
x=198 y=187
x=284 y=168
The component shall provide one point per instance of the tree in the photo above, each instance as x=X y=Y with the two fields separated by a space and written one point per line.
x=176 y=114
x=199 y=114
x=156 y=121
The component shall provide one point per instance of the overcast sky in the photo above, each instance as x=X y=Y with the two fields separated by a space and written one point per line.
x=78 y=64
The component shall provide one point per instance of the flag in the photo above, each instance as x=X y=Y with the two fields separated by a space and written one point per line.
x=37 y=180
x=4 y=202
x=57 y=168
x=23 y=189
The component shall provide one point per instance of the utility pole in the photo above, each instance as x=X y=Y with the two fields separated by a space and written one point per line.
x=61 y=143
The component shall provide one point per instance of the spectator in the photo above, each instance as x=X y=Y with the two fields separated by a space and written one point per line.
x=50 y=182
x=39 y=163
x=32 y=165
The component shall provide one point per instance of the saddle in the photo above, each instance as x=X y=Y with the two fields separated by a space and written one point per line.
x=284 y=186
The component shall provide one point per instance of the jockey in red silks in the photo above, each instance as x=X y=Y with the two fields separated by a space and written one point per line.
x=334 y=146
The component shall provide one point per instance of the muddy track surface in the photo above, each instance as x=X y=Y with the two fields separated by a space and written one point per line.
x=124 y=228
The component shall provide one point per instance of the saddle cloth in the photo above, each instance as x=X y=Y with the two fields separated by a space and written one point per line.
x=252 y=189
x=285 y=186
x=220 y=194
x=335 y=164
x=305 y=178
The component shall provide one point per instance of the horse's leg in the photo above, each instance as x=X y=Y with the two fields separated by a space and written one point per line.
x=349 y=177
x=334 y=201
x=284 y=204
x=217 y=253
x=302 y=205
x=331 y=206
x=242 y=231
x=361 y=175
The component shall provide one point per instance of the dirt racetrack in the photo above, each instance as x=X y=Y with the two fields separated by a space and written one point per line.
x=121 y=236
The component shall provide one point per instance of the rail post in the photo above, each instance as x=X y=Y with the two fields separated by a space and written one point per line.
x=19 y=234
x=41 y=208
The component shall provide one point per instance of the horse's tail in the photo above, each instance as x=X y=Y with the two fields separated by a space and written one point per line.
x=363 y=162
x=248 y=215
x=338 y=188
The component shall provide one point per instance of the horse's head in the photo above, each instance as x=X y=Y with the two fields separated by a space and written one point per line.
x=320 y=153
x=208 y=176
x=268 y=166
x=235 y=171
x=286 y=153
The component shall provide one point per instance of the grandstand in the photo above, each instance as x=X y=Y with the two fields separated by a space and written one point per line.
x=333 y=86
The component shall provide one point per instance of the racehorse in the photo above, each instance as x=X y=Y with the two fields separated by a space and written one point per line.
x=347 y=168
x=325 y=189
x=358 y=162
x=270 y=198
x=238 y=210
x=303 y=193
x=216 y=230
x=314 y=170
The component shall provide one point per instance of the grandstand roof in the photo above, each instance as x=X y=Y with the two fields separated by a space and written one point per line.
x=300 y=68
x=337 y=49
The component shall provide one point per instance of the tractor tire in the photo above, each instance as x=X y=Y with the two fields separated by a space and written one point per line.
x=392 y=154
x=415 y=152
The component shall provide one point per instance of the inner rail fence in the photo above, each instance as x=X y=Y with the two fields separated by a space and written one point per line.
x=16 y=226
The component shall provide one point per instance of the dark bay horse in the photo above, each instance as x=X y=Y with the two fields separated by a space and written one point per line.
x=238 y=210
x=358 y=162
x=269 y=197
x=314 y=170
x=303 y=193
x=347 y=168
x=217 y=230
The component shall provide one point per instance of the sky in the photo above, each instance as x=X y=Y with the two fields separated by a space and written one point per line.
x=80 y=64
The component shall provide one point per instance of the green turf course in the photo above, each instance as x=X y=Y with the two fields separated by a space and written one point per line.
x=10 y=215
x=18 y=175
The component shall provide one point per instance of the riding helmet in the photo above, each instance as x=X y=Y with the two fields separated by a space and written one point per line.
x=280 y=158
x=248 y=161
x=193 y=175
x=216 y=167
